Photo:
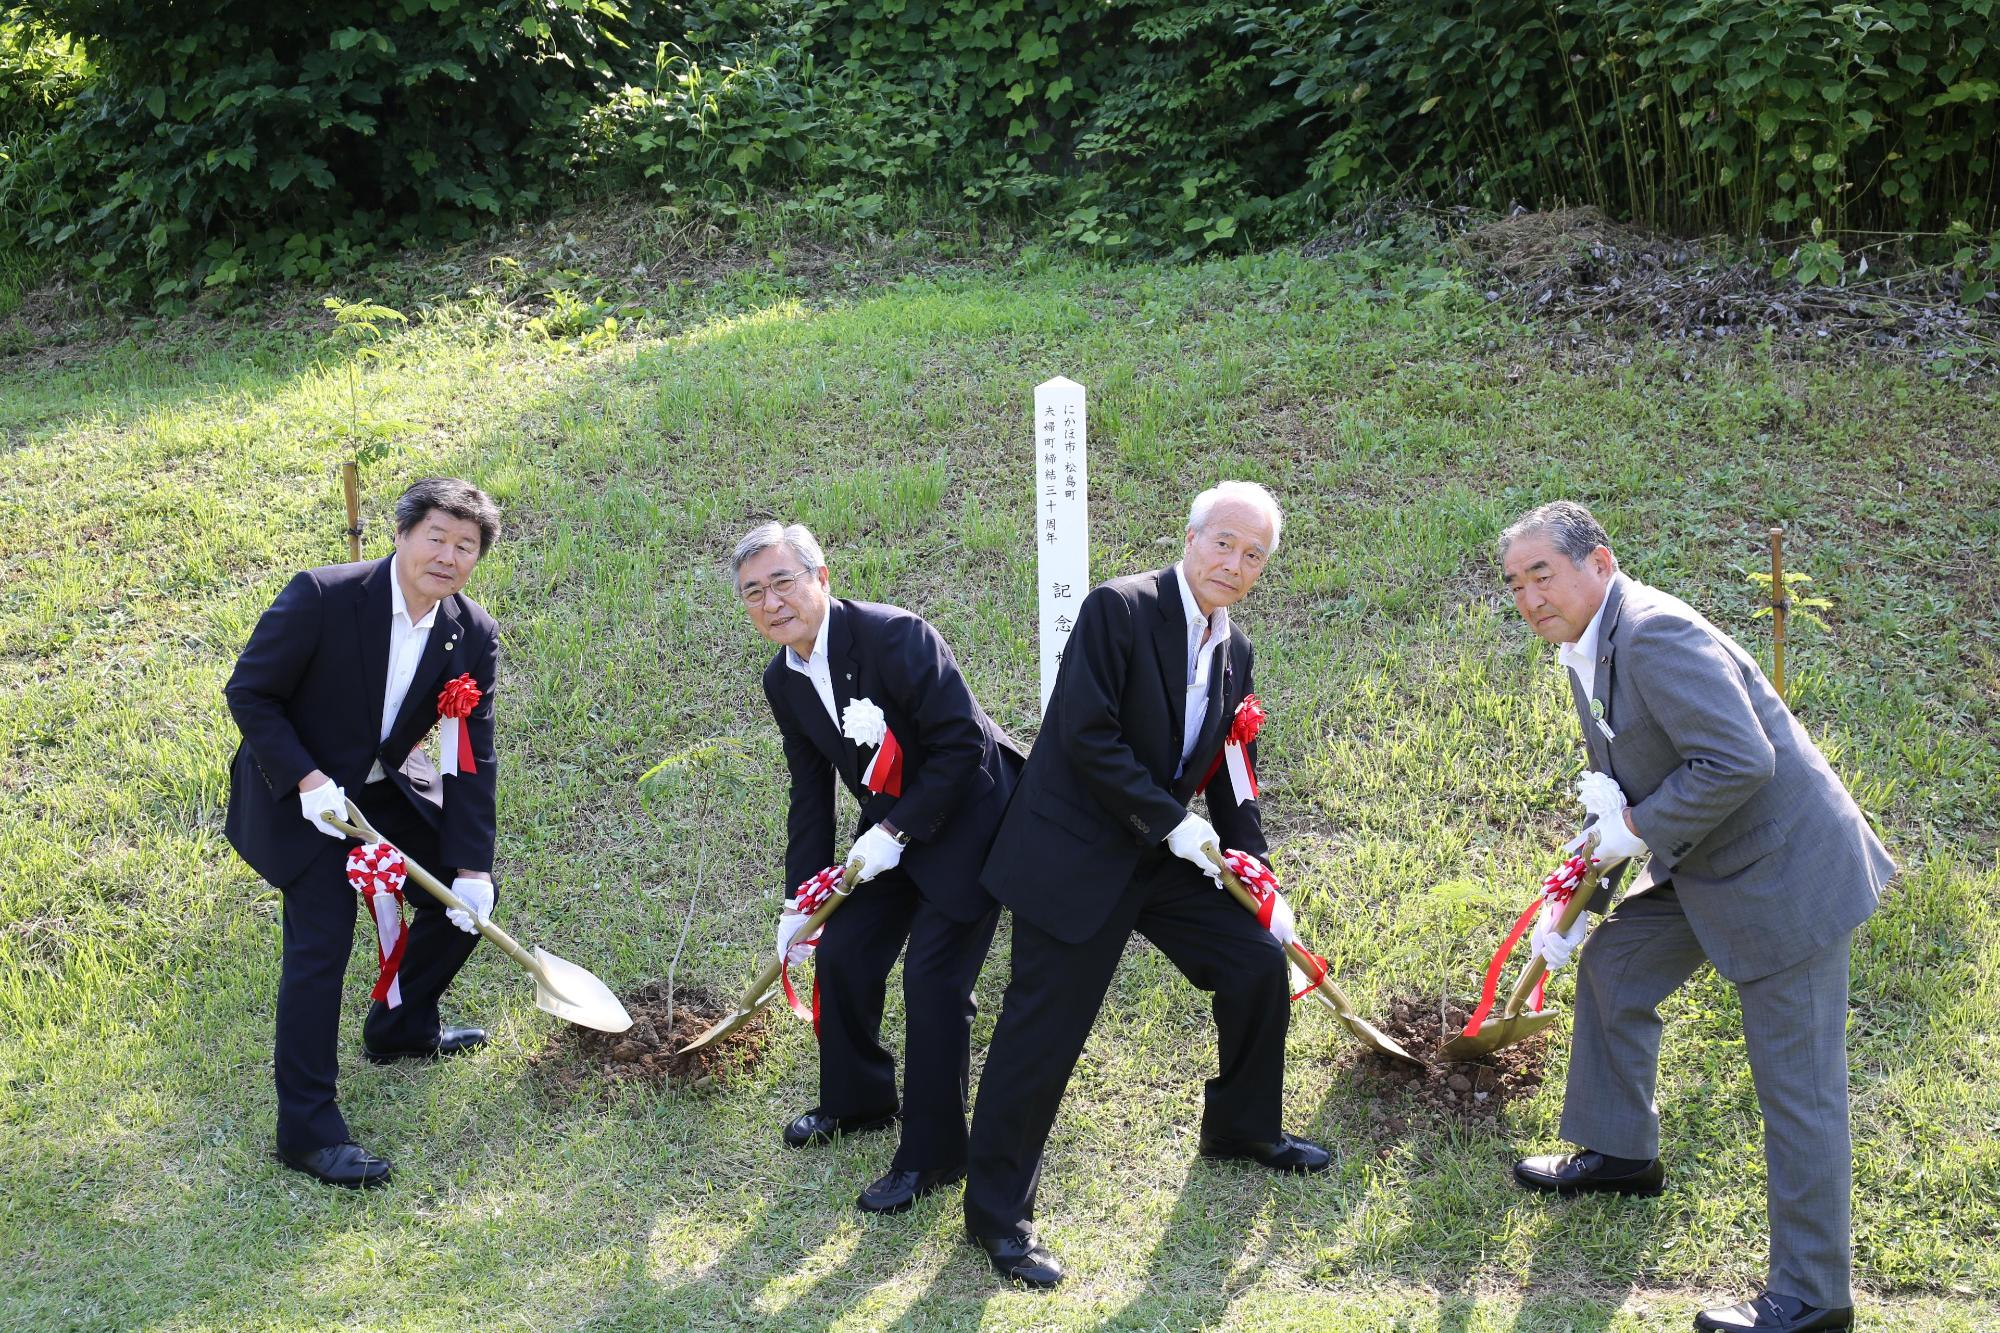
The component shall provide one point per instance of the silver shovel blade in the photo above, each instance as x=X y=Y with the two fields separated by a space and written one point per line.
x=571 y=992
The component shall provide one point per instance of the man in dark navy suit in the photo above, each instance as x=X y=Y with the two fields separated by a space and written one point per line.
x=336 y=689
x=1100 y=843
x=846 y=670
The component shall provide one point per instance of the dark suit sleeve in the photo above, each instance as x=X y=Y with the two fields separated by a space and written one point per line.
x=923 y=678
x=261 y=686
x=466 y=840
x=809 y=812
x=1694 y=693
x=1239 y=826
x=1083 y=715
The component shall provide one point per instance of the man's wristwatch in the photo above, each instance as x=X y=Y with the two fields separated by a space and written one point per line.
x=902 y=838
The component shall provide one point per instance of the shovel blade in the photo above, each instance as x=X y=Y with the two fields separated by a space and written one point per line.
x=729 y=1022
x=1375 y=1039
x=1497 y=1033
x=574 y=993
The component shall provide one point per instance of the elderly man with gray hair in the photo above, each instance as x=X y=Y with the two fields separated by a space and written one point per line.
x=871 y=694
x=1758 y=862
x=1100 y=843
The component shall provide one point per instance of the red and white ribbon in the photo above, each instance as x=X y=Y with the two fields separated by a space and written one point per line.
x=455 y=703
x=810 y=897
x=377 y=871
x=1558 y=887
x=1243 y=729
x=864 y=723
x=1275 y=915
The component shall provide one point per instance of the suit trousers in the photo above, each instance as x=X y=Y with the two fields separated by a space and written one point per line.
x=320 y=909
x=1795 y=1031
x=1052 y=1002
x=857 y=1074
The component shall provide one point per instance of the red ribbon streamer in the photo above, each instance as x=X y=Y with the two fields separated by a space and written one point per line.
x=1557 y=889
x=375 y=869
x=811 y=896
x=1263 y=886
x=1243 y=728
x=457 y=700
x=885 y=770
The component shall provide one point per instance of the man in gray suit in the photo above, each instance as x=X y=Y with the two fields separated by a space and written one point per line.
x=1760 y=864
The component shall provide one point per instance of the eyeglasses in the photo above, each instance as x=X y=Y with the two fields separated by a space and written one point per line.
x=781 y=585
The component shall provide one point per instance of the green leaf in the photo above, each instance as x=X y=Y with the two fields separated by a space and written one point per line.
x=156 y=102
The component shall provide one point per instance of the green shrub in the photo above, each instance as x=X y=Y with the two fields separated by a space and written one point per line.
x=221 y=142
x=1742 y=116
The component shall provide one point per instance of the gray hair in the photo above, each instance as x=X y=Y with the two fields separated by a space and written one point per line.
x=1243 y=492
x=1568 y=526
x=766 y=536
x=459 y=499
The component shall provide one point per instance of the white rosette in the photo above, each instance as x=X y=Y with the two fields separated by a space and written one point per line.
x=863 y=722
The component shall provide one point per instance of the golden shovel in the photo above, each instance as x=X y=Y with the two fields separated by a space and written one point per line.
x=1512 y=1025
x=1325 y=990
x=765 y=988
x=561 y=987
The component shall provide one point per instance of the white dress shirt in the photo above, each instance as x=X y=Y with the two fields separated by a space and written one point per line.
x=1581 y=656
x=817 y=668
x=1205 y=634
x=406 y=649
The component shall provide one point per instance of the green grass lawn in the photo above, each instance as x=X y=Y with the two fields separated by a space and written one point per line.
x=156 y=492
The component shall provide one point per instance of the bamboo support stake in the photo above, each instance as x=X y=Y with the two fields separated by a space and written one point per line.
x=1780 y=602
x=350 y=481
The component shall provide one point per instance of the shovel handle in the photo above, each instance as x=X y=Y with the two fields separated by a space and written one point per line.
x=1579 y=900
x=1326 y=985
x=362 y=829
x=757 y=994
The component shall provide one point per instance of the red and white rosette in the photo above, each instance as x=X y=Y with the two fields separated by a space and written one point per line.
x=1275 y=915
x=1243 y=729
x=377 y=871
x=863 y=722
x=810 y=897
x=455 y=704
x=1558 y=887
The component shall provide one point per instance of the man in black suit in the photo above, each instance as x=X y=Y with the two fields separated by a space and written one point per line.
x=843 y=670
x=336 y=689
x=1100 y=843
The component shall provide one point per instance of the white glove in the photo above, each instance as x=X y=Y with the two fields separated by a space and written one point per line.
x=1187 y=840
x=876 y=851
x=326 y=798
x=792 y=950
x=476 y=894
x=1601 y=795
x=1554 y=946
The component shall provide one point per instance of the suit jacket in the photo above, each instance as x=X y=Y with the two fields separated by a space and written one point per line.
x=1101 y=788
x=1770 y=856
x=959 y=769
x=307 y=693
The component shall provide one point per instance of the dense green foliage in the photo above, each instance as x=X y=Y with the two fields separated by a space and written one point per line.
x=224 y=139
x=216 y=145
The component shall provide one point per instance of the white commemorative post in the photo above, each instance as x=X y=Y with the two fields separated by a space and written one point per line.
x=1062 y=517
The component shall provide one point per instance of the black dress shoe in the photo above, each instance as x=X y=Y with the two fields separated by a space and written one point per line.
x=816 y=1126
x=897 y=1191
x=1772 y=1313
x=1022 y=1258
x=348 y=1165
x=451 y=1041
x=1287 y=1154
x=1589 y=1172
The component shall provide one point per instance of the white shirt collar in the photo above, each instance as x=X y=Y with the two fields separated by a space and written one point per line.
x=400 y=606
x=797 y=663
x=1581 y=656
x=1218 y=622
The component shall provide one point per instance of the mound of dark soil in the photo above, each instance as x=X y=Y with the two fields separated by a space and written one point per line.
x=650 y=1051
x=1469 y=1090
